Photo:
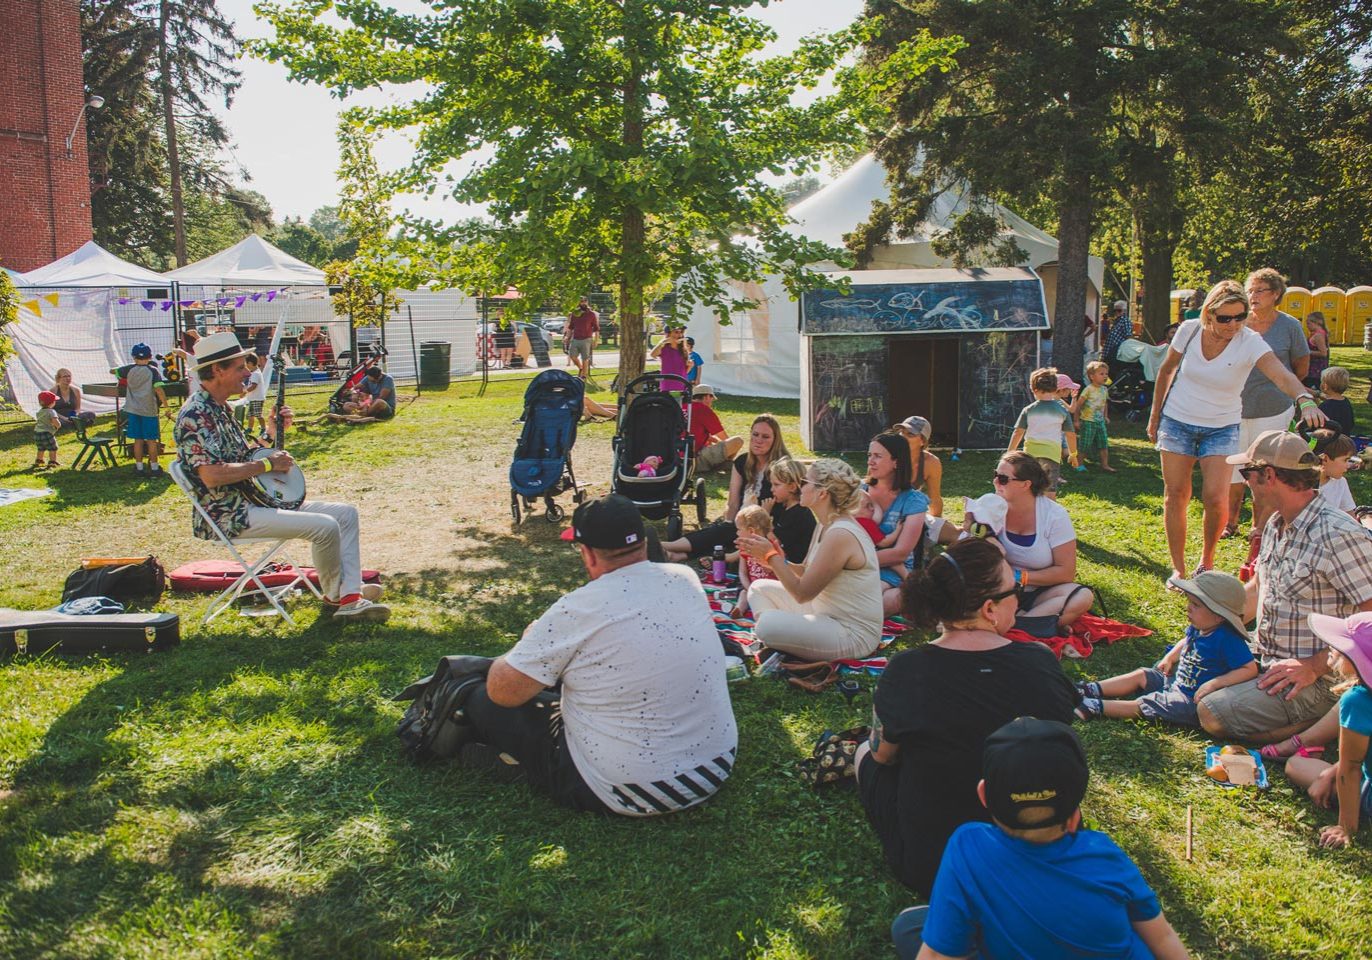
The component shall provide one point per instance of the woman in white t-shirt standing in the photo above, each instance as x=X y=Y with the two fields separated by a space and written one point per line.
x=1040 y=544
x=1197 y=405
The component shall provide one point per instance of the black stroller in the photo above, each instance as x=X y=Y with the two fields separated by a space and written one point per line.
x=653 y=424
x=1131 y=392
x=542 y=464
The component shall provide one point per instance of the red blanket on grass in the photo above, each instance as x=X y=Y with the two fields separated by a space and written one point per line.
x=1087 y=632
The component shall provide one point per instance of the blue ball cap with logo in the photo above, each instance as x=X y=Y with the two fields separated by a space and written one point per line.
x=141 y=351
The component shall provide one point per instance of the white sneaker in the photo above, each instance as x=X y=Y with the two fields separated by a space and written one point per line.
x=371 y=592
x=364 y=611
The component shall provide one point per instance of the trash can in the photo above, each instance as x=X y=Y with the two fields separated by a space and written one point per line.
x=434 y=356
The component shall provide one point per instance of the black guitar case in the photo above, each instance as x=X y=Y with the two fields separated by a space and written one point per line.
x=38 y=631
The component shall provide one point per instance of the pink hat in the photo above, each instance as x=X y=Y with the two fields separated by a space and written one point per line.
x=1067 y=383
x=1351 y=637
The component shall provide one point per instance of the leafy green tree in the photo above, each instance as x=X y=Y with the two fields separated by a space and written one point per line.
x=196 y=51
x=328 y=223
x=613 y=142
x=303 y=242
x=9 y=313
x=1019 y=116
x=218 y=220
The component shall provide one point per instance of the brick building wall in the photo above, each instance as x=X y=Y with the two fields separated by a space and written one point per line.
x=45 y=210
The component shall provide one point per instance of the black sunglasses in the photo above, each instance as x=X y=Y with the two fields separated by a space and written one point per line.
x=1002 y=479
x=1017 y=591
x=1227 y=318
x=1246 y=472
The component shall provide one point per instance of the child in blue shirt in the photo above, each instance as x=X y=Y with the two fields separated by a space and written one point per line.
x=697 y=363
x=1346 y=785
x=1033 y=883
x=1214 y=654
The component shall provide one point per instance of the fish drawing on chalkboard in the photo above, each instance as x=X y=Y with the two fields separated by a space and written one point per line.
x=906 y=301
x=848 y=303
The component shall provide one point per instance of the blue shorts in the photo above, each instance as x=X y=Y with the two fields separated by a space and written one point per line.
x=139 y=427
x=1171 y=704
x=890 y=578
x=1191 y=441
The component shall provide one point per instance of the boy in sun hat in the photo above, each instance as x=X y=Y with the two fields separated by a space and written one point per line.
x=1347 y=784
x=1033 y=882
x=1213 y=655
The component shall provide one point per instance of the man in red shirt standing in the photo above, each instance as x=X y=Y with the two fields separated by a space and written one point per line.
x=714 y=447
x=580 y=336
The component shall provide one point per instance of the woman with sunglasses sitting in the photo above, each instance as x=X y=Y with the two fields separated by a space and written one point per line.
x=1041 y=545
x=936 y=704
x=1197 y=406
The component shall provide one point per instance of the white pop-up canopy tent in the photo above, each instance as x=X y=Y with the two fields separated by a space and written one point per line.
x=70 y=317
x=758 y=353
x=251 y=262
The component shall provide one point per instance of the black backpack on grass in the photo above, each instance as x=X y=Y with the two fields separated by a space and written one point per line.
x=434 y=727
x=141 y=582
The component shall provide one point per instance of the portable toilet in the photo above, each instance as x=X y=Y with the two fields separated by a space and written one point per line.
x=1177 y=304
x=1296 y=302
x=1357 y=312
x=1329 y=301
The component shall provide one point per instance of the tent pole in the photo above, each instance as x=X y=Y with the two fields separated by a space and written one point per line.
x=414 y=354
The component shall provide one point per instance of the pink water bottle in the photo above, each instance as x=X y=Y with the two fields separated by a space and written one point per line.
x=719 y=570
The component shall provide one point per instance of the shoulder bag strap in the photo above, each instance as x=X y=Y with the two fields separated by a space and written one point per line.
x=1177 y=373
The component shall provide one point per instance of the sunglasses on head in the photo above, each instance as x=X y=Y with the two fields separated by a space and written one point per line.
x=1017 y=591
x=1228 y=318
x=1001 y=479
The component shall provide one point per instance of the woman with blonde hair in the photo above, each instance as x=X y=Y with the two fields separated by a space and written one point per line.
x=828 y=607
x=1318 y=342
x=1197 y=406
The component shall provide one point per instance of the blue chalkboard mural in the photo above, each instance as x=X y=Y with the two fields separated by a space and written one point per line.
x=927 y=301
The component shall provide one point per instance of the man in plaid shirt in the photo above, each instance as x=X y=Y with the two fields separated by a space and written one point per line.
x=1314 y=559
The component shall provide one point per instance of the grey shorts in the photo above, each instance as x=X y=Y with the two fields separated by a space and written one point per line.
x=1054 y=470
x=1169 y=703
x=712 y=457
x=580 y=349
x=1248 y=713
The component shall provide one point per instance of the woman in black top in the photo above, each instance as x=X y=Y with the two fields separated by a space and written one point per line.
x=935 y=706
x=749 y=483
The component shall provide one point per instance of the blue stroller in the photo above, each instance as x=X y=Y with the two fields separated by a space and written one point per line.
x=542 y=464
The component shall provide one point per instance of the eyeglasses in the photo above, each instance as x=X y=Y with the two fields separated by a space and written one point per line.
x=1251 y=469
x=1231 y=317
x=1001 y=479
x=1017 y=591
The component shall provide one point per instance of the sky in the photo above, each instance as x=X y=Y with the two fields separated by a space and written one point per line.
x=284 y=132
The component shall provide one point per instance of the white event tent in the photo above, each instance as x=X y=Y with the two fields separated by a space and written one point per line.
x=70 y=316
x=758 y=353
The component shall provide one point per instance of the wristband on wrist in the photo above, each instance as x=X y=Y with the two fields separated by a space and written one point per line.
x=767 y=557
x=1019 y=576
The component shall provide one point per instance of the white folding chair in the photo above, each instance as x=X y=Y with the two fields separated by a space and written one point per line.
x=251 y=575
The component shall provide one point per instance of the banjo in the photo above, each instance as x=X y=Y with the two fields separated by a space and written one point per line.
x=283 y=490
x=275 y=488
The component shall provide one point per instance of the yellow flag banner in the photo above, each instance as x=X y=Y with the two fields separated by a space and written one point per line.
x=52 y=298
x=32 y=305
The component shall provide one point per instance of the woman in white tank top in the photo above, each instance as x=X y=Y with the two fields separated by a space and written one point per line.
x=828 y=607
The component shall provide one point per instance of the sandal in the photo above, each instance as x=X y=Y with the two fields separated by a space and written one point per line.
x=1273 y=750
x=1230 y=531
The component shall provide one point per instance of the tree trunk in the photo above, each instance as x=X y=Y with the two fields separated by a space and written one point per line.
x=632 y=233
x=169 y=120
x=1074 y=248
x=1157 y=245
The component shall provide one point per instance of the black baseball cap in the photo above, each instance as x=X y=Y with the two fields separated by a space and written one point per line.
x=610 y=523
x=1033 y=763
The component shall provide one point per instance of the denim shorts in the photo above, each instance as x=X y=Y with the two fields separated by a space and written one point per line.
x=1190 y=441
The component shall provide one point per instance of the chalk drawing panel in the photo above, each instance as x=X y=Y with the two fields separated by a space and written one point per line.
x=936 y=307
x=847 y=391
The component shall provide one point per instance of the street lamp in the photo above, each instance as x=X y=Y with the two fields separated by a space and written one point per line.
x=95 y=103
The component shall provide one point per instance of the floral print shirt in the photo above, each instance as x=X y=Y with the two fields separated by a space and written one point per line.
x=206 y=432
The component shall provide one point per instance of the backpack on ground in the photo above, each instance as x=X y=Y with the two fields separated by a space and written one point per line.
x=141 y=581
x=435 y=727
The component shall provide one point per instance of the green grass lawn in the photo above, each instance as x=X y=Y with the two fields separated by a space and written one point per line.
x=243 y=794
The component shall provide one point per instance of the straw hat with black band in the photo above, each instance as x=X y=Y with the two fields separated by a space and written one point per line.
x=216 y=348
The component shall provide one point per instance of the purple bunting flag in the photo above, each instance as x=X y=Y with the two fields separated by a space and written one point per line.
x=124 y=300
x=239 y=301
x=147 y=304
x=185 y=303
x=166 y=305
x=255 y=297
x=271 y=295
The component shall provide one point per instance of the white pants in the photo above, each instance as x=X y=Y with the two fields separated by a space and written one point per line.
x=332 y=531
x=784 y=623
x=1249 y=430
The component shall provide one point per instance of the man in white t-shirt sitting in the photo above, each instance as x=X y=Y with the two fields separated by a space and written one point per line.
x=644 y=725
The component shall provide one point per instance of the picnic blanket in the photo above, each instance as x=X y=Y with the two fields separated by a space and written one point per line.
x=1088 y=631
x=740 y=629
x=9 y=495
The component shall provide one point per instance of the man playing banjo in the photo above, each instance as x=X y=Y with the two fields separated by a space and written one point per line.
x=219 y=463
